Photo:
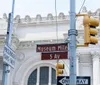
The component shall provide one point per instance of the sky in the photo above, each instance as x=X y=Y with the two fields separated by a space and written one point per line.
x=43 y=7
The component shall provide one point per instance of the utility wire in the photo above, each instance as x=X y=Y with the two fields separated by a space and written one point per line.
x=82 y=6
x=56 y=20
x=56 y=23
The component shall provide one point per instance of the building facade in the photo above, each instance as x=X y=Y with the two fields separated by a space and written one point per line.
x=28 y=32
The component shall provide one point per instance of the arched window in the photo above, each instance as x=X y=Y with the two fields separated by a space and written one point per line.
x=53 y=77
x=43 y=76
x=32 y=78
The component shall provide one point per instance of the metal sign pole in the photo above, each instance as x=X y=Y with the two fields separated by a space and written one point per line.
x=6 y=67
x=72 y=43
x=11 y=24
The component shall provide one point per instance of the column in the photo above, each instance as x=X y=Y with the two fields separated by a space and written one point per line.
x=38 y=75
x=49 y=75
x=95 y=57
x=77 y=63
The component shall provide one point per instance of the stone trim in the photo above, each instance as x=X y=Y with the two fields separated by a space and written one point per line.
x=50 y=17
x=95 y=54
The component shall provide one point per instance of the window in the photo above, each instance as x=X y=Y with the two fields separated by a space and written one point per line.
x=53 y=77
x=42 y=76
x=33 y=78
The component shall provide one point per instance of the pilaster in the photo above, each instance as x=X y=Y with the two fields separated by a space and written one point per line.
x=49 y=75
x=77 y=63
x=95 y=59
x=38 y=73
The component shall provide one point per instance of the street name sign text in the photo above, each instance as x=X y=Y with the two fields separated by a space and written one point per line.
x=54 y=55
x=80 y=80
x=9 y=56
x=52 y=47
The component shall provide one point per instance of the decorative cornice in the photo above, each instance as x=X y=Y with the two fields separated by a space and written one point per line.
x=32 y=44
x=39 y=19
x=80 y=39
x=78 y=54
x=15 y=42
x=95 y=54
x=2 y=39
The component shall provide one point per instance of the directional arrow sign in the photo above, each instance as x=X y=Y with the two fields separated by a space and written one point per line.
x=81 y=80
x=64 y=81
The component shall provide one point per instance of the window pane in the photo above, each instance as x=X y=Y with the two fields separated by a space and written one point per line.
x=32 y=78
x=44 y=75
x=53 y=77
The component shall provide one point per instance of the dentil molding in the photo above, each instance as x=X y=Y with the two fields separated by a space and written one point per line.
x=95 y=54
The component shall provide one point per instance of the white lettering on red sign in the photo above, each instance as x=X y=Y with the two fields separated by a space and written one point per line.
x=55 y=56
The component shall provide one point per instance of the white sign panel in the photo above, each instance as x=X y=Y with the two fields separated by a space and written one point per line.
x=81 y=80
x=9 y=56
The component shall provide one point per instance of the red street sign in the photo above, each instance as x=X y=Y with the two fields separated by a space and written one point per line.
x=52 y=47
x=54 y=55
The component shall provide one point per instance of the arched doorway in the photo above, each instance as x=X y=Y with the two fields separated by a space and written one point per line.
x=43 y=76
